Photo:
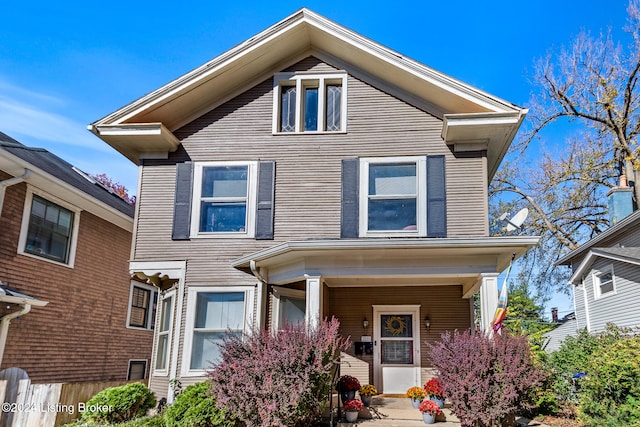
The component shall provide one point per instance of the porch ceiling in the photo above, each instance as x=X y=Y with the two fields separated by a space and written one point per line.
x=385 y=262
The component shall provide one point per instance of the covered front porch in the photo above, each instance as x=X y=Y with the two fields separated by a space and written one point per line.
x=391 y=296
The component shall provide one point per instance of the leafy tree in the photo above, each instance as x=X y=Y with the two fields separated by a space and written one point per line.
x=591 y=89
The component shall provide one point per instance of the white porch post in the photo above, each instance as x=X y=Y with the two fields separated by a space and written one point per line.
x=313 y=300
x=488 y=299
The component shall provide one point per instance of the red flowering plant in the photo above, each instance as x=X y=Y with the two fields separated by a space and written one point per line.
x=353 y=405
x=348 y=383
x=433 y=388
x=430 y=407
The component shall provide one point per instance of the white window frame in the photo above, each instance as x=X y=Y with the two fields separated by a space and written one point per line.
x=421 y=197
x=164 y=371
x=279 y=291
x=146 y=367
x=192 y=297
x=24 y=230
x=252 y=187
x=302 y=80
x=597 y=285
x=153 y=299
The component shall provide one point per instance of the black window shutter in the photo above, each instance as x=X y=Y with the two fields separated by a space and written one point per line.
x=436 y=197
x=350 y=203
x=266 y=193
x=182 y=204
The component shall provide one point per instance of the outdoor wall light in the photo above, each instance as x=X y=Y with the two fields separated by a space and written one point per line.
x=427 y=323
x=365 y=323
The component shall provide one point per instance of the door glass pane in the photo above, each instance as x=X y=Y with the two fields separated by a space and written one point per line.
x=397 y=352
x=396 y=326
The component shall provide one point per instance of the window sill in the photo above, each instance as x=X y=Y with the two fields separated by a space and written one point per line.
x=313 y=132
x=41 y=258
x=222 y=236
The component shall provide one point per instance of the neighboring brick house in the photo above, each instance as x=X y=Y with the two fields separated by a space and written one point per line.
x=65 y=240
x=307 y=173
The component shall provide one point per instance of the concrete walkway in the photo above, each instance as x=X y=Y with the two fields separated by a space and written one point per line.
x=398 y=412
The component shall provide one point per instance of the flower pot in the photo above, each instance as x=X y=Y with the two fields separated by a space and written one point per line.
x=439 y=401
x=428 y=418
x=351 y=416
x=416 y=403
x=366 y=400
x=347 y=395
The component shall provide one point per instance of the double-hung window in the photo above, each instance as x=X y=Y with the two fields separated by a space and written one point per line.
x=49 y=229
x=212 y=313
x=604 y=282
x=164 y=334
x=224 y=199
x=289 y=307
x=309 y=102
x=142 y=306
x=393 y=196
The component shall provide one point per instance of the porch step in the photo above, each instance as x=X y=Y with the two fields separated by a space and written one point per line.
x=396 y=412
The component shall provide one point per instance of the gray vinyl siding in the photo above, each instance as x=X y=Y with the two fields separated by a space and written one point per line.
x=620 y=308
x=556 y=337
x=580 y=308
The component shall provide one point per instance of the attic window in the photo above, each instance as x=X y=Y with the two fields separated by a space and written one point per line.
x=309 y=103
x=604 y=282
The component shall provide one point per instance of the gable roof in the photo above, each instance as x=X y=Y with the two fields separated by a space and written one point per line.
x=629 y=255
x=144 y=127
x=54 y=174
x=610 y=232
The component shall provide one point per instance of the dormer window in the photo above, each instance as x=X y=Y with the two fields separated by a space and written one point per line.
x=309 y=102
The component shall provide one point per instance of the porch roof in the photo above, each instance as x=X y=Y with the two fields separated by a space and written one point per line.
x=384 y=262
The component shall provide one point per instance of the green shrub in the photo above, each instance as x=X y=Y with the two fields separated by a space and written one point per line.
x=610 y=394
x=117 y=404
x=150 y=421
x=196 y=407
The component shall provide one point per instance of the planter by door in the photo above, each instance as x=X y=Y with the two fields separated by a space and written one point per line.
x=416 y=403
x=366 y=400
x=351 y=416
x=440 y=402
x=347 y=395
x=428 y=418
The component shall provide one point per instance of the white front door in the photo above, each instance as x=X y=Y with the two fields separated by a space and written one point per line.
x=396 y=354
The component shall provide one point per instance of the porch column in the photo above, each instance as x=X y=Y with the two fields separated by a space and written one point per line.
x=488 y=299
x=313 y=300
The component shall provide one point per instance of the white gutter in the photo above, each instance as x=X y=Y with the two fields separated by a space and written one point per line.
x=9 y=182
x=261 y=289
x=4 y=326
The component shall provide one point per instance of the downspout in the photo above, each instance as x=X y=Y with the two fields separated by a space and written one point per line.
x=4 y=326
x=12 y=181
x=260 y=291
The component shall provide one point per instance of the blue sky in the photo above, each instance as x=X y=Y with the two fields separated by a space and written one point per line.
x=64 y=65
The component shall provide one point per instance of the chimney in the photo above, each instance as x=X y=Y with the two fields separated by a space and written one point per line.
x=554 y=314
x=620 y=201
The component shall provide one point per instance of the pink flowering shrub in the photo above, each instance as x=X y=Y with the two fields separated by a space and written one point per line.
x=278 y=379
x=488 y=380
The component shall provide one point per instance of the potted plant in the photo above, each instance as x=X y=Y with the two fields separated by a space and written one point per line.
x=351 y=409
x=367 y=391
x=430 y=410
x=434 y=390
x=347 y=387
x=416 y=394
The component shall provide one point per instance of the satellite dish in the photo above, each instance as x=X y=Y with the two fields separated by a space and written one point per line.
x=515 y=223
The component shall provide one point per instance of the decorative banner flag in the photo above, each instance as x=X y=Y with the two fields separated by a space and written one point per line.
x=501 y=311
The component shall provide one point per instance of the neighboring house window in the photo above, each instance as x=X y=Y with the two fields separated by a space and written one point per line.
x=309 y=102
x=289 y=307
x=49 y=229
x=137 y=370
x=224 y=199
x=604 y=282
x=213 y=313
x=164 y=334
x=142 y=306
x=393 y=196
